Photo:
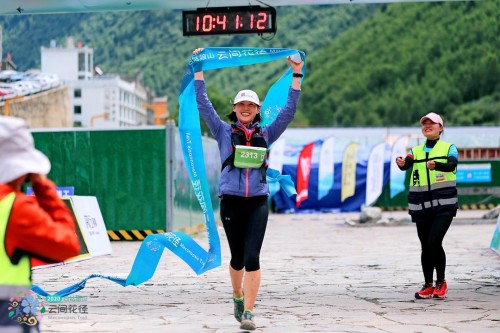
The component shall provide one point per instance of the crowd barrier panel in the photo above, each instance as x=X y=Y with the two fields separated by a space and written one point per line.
x=137 y=175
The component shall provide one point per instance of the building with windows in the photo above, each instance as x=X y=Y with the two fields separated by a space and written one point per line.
x=108 y=101
x=96 y=99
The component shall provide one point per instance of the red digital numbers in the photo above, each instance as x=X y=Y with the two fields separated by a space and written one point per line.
x=238 y=22
x=221 y=21
x=261 y=21
x=207 y=23
x=253 y=21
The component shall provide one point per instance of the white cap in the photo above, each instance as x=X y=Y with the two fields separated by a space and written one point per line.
x=18 y=155
x=434 y=117
x=247 y=95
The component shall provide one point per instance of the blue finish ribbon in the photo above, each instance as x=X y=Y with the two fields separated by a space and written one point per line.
x=276 y=180
x=179 y=243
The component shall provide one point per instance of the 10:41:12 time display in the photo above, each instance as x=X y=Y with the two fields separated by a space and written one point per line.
x=229 y=20
x=207 y=23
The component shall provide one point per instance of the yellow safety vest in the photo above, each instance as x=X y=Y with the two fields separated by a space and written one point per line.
x=432 y=190
x=13 y=278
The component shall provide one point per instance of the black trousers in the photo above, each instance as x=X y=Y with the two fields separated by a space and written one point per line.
x=431 y=231
x=245 y=222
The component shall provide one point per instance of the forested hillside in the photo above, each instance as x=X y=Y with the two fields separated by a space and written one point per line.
x=407 y=60
x=367 y=65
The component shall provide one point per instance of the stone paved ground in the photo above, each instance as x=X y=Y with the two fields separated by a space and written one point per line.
x=319 y=275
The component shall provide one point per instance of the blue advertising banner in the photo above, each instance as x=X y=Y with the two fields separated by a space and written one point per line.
x=474 y=173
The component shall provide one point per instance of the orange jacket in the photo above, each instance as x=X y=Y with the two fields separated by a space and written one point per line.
x=40 y=226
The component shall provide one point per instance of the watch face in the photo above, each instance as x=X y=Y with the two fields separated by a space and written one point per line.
x=229 y=20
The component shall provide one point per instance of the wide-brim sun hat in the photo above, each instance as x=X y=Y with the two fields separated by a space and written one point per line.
x=246 y=95
x=434 y=117
x=18 y=155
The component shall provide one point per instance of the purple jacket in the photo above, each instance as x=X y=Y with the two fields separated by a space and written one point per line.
x=236 y=181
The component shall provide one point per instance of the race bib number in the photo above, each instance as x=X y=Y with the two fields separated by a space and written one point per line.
x=249 y=157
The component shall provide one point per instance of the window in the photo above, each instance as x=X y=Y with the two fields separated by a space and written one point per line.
x=77 y=124
x=77 y=109
x=77 y=93
x=81 y=62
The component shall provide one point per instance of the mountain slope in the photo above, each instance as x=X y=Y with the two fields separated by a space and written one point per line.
x=405 y=61
x=375 y=65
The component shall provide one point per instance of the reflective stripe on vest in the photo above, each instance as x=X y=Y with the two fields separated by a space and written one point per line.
x=435 y=203
x=448 y=183
x=12 y=275
x=431 y=189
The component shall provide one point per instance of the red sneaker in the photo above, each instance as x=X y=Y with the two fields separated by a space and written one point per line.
x=426 y=291
x=440 y=290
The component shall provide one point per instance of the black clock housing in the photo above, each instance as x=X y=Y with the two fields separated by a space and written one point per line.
x=228 y=21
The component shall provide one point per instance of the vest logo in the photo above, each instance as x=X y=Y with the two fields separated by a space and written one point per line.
x=26 y=308
x=416 y=178
x=440 y=177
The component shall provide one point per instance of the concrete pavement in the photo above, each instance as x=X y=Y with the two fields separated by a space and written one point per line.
x=319 y=275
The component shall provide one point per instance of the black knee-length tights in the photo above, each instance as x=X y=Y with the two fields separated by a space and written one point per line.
x=245 y=222
x=431 y=232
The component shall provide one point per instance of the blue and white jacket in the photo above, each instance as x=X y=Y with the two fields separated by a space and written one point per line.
x=236 y=181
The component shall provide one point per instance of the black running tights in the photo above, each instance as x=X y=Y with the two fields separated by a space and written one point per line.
x=245 y=222
x=431 y=232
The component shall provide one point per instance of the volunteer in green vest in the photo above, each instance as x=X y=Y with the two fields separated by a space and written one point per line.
x=432 y=200
x=39 y=226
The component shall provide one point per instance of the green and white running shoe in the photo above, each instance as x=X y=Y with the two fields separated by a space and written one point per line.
x=238 y=308
x=247 y=322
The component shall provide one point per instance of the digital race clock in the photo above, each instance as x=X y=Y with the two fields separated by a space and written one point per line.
x=229 y=20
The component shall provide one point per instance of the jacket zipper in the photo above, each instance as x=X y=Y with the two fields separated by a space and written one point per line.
x=428 y=179
x=247 y=176
x=248 y=136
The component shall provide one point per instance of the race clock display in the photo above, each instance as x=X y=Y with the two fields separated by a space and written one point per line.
x=229 y=20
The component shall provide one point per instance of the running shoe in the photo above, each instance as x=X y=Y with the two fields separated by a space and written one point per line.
x=440 y=290
x=238 y=308
x=247 y=322
x=426 y=291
